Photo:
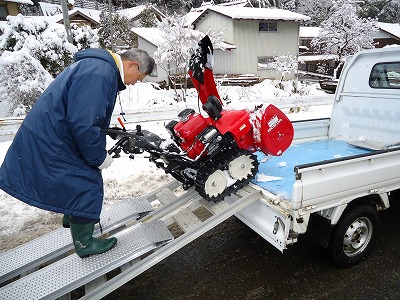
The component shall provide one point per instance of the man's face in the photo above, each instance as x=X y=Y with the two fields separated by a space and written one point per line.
x=132 y=73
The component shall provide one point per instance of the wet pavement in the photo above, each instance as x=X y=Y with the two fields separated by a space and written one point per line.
x=233 y=262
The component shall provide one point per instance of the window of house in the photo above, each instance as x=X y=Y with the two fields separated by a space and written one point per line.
x=385 y=75
x=268 y=26
x=3 y=12
x=264 y=62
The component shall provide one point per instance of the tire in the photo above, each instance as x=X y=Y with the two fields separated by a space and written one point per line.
x=353 y=236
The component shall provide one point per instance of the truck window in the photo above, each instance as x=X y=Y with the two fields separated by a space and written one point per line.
x=385 y=75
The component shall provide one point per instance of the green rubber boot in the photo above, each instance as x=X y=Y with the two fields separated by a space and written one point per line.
x=65 y=221
x=85 y=244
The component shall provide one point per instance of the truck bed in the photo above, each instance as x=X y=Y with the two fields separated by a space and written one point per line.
x=277 y=175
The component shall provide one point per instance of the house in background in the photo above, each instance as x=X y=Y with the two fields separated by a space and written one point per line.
x=11 y=7
x=388 y=34
x=256 y=35
x=310 y=61
x=149 y=39
x=80 y=16
x=195 y=12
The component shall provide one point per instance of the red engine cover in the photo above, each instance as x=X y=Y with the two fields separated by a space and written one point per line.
x=187 y=130
x=273 y=131
x=237 y=122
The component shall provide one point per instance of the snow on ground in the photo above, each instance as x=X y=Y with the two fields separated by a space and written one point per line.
x=135 y=177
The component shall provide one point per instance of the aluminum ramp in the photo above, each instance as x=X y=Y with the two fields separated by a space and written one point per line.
x=189 y=223
x=29 y=256
x=66 y=275
x=71 y=272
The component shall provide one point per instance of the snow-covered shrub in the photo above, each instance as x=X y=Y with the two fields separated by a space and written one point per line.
x=45 y=41
x=84 y=37
x=22 y=80
x=286 y=65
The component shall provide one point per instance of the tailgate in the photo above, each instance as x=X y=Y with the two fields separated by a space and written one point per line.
x=268 y=220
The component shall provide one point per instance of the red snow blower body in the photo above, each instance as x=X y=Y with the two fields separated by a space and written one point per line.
x=214 y=152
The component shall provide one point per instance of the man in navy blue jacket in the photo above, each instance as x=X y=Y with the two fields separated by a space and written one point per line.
x=57 y=155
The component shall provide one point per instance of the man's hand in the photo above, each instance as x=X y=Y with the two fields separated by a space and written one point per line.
x=107 y=162
x=114 y=135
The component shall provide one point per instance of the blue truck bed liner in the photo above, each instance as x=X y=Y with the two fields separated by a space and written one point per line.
x=276 y=174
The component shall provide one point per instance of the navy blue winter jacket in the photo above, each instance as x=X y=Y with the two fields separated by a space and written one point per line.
x=53 y=160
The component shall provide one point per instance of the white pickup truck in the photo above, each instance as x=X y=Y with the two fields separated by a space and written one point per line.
x=331 y=182
x=337 y=174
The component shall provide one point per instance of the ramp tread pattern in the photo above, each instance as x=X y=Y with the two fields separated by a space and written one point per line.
x=59 y=241
x=71 y=272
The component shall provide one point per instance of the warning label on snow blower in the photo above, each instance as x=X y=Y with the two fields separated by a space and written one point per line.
x=273 y=122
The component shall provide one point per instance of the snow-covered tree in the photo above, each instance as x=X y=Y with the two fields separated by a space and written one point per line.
x=285 y=65
x=22 y=80
x=175 y=48
x=317 y=10
x=121 y=30
x=45 y=41
x=344 y=33
x=217 y=38
x=84 y=37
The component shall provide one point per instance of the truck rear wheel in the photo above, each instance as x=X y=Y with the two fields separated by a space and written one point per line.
x=353 y=237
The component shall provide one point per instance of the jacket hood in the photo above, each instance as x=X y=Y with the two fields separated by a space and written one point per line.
x=104 y=55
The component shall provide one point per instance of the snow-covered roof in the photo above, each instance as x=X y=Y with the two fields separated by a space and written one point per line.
x=251 y=13
x=153 y=36
x=308 y=32
x=20 y=1
x=59 y=18
x=390 y=28
x=134 y=12
x=393 y=29
x=55 y=11
x=194 y=13
x=205 y=5
x=322 y=57
x=192 y=16
x=242 y=3
x=49 y=9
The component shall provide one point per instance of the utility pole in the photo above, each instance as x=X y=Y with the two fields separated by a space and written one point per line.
x=111 y=26
x=64 y=8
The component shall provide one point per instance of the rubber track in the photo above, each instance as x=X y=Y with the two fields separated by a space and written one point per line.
x=221 y=163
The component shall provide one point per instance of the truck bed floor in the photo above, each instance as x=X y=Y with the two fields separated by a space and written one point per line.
x=277 y=175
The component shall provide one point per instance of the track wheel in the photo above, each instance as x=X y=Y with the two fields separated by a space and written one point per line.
x=354 y=235
x=215 y=184
x=242 y=167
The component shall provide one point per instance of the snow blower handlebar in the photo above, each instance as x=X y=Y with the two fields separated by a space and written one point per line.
x=135 y=141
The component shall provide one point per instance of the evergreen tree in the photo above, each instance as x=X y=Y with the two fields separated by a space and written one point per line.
x=384 y=10
x=121 y=26
x=147 y=18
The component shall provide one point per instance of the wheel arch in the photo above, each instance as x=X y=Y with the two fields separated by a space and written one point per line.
x=322 y=223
